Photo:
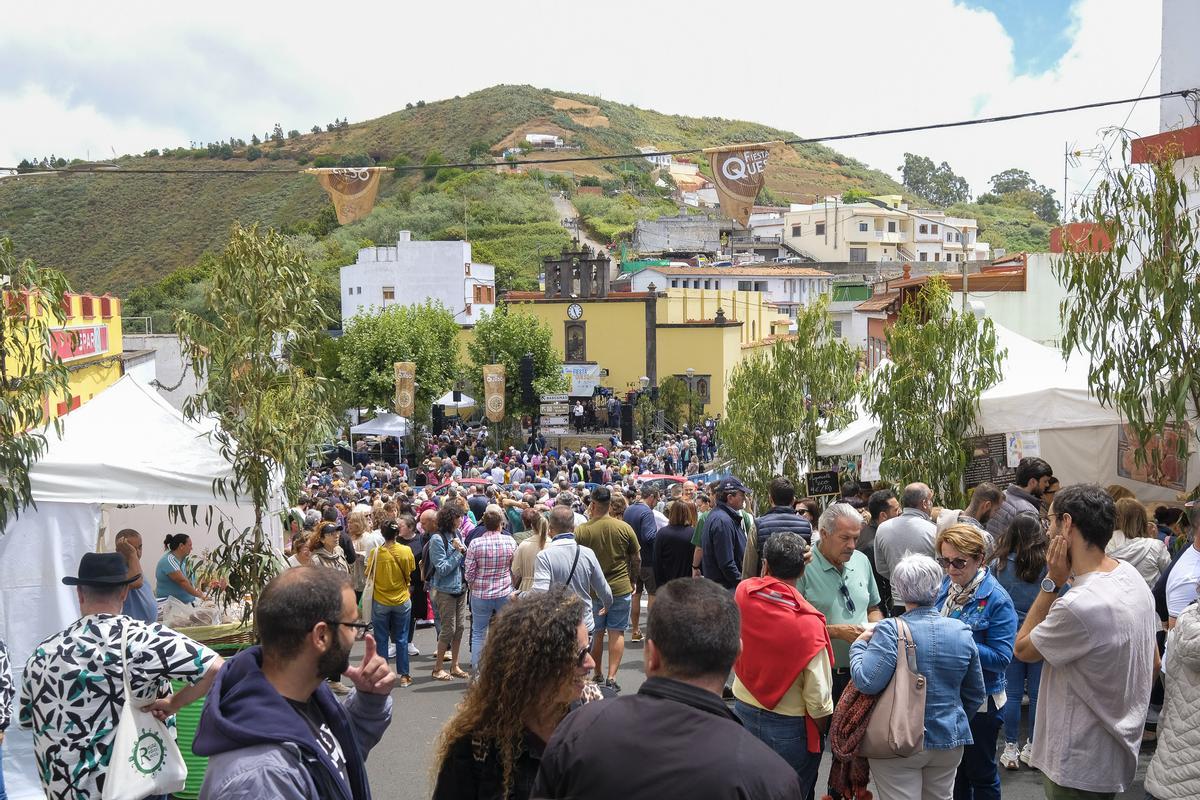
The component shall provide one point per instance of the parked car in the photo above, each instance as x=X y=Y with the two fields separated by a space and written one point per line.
x=660 y=482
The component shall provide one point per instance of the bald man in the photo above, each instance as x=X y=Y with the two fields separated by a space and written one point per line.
x=911 y=532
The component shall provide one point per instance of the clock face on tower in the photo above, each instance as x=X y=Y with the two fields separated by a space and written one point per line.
x=574 y=311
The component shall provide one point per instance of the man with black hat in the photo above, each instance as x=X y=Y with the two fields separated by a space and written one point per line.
x=72 y=691
x=724 y=541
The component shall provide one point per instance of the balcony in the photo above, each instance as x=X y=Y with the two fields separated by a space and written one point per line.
x=880 y=237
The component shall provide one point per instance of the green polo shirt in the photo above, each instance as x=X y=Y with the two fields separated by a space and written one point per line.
x=821 y=585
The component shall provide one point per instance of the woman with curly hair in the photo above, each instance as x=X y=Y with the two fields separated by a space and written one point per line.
x=535 y=665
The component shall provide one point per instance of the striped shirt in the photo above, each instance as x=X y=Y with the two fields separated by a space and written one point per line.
x=488 y=561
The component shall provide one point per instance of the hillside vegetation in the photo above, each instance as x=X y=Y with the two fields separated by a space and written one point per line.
x=115 y=232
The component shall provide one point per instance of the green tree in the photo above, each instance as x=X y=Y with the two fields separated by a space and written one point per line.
x=254 y=355
x=277 y=133
x=927 y=399
x=673 y=400
x=782 y=399
x=937 y=184
x=478 y=148
x=373 y=342
x=431 y=161
x=1133 y=307
x=30 y=371
x=1016 y=187
x=253 y=153
x=503 y=337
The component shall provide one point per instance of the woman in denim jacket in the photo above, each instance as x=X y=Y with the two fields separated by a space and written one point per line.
x=444 y=576
x=949 y=660
x=970 y=593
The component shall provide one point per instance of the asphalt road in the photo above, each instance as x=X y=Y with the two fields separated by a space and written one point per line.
x=400 y=767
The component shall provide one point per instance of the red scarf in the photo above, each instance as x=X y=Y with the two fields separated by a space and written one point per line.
x=781 y=634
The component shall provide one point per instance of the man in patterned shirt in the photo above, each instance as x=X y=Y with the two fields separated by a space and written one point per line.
x=72 y=691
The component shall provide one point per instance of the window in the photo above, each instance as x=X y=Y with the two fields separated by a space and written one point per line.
x=949 y=236
x=837 y=328
x=862 y=227
x=706 y=283
x=796 y=230
x=674 y=283
x=389 y=293
x=350 y=290
x=696 y=283
x=87 y=307
x=466 y=267
x=760 y=286
x=858 y=255
x=933 y=228
x=922 y=229
x=745 y=286
x=891 y=226
x=576 y=338
x=820 y=229
x=937 y=256
x=924 y=256
x=716 y=283
x=485 y=294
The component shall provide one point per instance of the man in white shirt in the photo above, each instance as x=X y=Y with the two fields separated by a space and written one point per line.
x=1183 y=583
x=498 y=474
x=1098 y=648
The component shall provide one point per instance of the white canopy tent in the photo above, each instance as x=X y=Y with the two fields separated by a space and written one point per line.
x=123 y=458
x=1039 y=390
x=386 y=424
x=448 y=401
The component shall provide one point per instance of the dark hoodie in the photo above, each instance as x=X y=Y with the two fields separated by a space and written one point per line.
x=260 y=747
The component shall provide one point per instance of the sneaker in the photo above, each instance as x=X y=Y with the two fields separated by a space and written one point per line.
x=611 y=683
x=412 y=650
x=1027 y=755
x=637 y=636
x=405 y=681
x=1011 y=757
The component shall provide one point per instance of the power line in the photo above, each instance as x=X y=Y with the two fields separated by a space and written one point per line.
x=111 y=170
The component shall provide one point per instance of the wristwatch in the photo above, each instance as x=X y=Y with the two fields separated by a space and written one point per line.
x=1048 y=586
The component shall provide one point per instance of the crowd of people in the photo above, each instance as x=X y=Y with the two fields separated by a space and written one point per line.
x=769 y=639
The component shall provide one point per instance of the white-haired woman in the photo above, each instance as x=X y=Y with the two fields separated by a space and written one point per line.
x=949 y=660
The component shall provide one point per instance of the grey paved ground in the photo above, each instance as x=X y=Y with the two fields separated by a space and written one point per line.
x=399 y=767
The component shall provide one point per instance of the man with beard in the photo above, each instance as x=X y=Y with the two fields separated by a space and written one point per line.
x=985 y=499
x=272 y=728
x=1033 y=477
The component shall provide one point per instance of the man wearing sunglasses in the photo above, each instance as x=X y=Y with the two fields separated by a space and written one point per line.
x=272 y=727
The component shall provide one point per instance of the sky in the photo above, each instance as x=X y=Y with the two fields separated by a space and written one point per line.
x=88 y=80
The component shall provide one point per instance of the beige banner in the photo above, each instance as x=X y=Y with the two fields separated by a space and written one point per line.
x=406 y=379
x=739 y=172
x=493 y=391
x=352 y=189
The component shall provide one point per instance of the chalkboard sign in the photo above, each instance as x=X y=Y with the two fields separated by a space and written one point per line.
x=987 y=460
x=820 y=483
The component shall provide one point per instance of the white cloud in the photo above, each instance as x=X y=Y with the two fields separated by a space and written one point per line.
x=75 y=78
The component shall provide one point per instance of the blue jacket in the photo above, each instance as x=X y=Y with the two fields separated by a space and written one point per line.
x=946 y=656
x=723 y=544
x=447 y=566
x=640 y=517
x=993 y=623
x=259 y=746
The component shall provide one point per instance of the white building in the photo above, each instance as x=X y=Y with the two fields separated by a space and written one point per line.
x=865 y=233
x=544 y=140
x=785 y=287
x=411 y=273
x=656 y=160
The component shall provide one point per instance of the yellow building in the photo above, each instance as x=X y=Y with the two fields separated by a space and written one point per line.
x=613 y=339
x=90 y=344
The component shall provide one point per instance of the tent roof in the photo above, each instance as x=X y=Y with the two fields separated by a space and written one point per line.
x=384 y=425
x=128 y=445
x=1038 y=390
x=447 y=400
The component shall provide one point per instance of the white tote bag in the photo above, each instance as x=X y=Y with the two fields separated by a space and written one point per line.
x=366 y=605
x=144 y=760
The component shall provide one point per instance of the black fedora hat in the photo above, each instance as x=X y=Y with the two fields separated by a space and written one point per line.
x=101 y=569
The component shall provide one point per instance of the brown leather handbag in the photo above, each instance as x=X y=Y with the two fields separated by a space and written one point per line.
x=897 y=725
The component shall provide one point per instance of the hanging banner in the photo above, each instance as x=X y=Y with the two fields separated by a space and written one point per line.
x=406 y=379
x=352 y=189
x=739 y=172
x=493 y=391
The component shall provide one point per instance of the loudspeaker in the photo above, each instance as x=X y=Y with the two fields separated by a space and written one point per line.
x=439 y=418
x=626 y=422
x=457 y=396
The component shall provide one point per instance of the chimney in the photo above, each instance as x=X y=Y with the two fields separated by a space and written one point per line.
x=404 y=236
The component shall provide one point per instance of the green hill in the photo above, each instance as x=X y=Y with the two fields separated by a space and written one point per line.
x=116 y=231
